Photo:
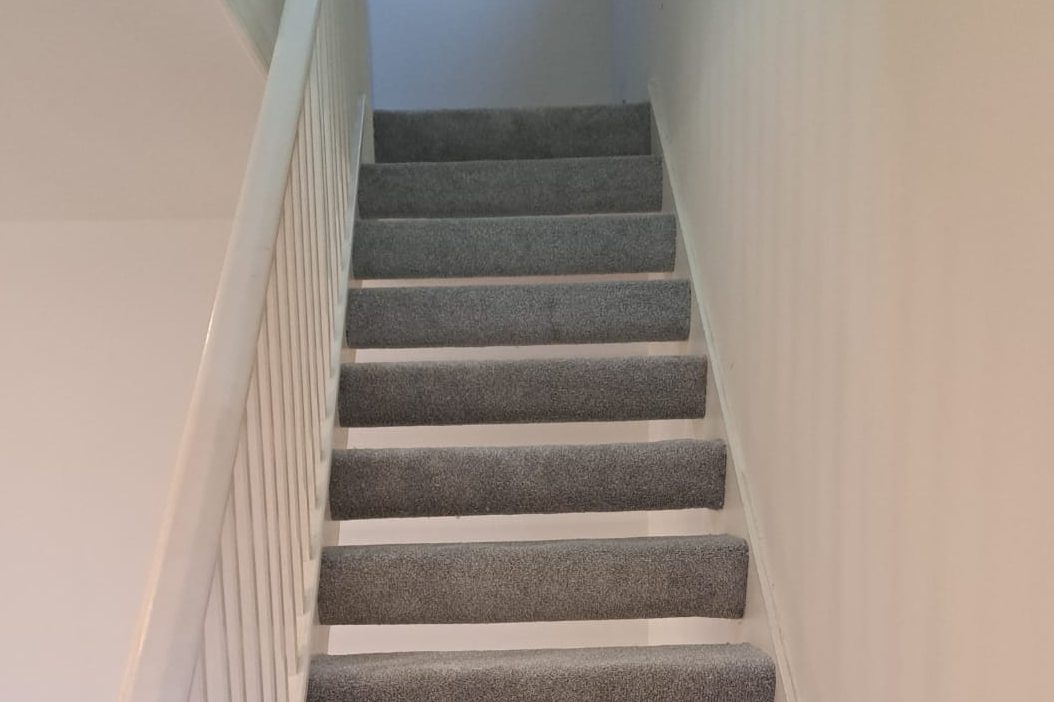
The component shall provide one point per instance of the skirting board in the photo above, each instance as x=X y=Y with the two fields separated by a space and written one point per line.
x=758 y=546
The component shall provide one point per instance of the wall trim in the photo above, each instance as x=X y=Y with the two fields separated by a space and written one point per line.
x=758 y=545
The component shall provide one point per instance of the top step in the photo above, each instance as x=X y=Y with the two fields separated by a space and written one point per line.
x=488 y=134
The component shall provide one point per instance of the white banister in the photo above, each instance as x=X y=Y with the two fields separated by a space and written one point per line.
x=229 y=605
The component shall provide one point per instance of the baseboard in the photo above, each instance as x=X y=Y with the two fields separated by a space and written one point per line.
x=758 y=545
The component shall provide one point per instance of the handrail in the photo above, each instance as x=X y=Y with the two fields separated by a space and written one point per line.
x=243 y=513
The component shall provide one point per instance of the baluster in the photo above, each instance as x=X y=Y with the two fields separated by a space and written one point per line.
x=325 y=138
x=309 y=350
x=256 y=674
x=217 y=664
x=301 y=351
x=320 y=316
x=290 y=358
x=275 y=359
x=335 y=92
x=269 y=650
x=232 y=595
x=319 y=192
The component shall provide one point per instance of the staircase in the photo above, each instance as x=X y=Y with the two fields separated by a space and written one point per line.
x=505 y=193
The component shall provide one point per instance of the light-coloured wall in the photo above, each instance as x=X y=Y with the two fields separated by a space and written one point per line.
x=490 y=53
x=629 y=50
x=124 y=133
x=118 y=110
x=866 y=190
x=259 y=20
x=103 y=326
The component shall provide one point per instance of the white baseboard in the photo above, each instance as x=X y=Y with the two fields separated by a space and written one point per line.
x=737 y=462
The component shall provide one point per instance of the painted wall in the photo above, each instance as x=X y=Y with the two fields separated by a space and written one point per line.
x=104 y=323
x=117 y=110
x=490 y=53
x=630 y=48
x=259 y=20
x=865 y=188
x=123 y=139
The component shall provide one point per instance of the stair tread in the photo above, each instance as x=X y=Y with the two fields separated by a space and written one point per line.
x=522 y=391
x=511 y=187
x=432 y=482
x=504 y=133
x=514 y=246
x=518 y=581
x=514 y=315
x=685 y=673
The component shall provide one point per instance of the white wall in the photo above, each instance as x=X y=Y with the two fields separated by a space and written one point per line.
x=118 y=110
x=123 y=138
x=865 y=189
x=490 y=53
x=259 y=20
x=103 y=325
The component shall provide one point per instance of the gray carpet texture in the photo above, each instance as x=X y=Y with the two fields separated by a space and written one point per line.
x=482 y=134
x=514 y=246
x=495 y=193
x=516 y=315
x=436 y=482
x=522 y=391
x=700 y=673
x=502 y=188
x=525 y=581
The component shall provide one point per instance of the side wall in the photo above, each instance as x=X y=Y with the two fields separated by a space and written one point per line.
x=490 y=53
x=103 y=327
x=125 y=133
x=259 y=20
x=865 y=192
x=118 y=110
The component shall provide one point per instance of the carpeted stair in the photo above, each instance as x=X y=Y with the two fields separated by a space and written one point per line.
x=497 y=315
x=526 y=187
x=512 y=246
x=718 y=673
x=514 y=392
x=523 y=581
x=479 y=135
x=507 y=193
x=438 y=482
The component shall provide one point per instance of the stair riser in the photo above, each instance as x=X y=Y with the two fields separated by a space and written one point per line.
x=504 y=188
x=515 y=315
x=514 y=246
x=434 y=482
x=471 y=135
x=534 y=581
x=501 y=392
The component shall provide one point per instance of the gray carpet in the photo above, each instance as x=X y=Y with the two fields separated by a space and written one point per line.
x=547 y=132
x=472 y=193
x=433 y=482
x=512 y=246
x=516 y=315
x=494 y=392
x=716 y=673
x=500 y=188
x=524 y=581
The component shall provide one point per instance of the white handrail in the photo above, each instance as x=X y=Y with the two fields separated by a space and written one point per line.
x=227 y=609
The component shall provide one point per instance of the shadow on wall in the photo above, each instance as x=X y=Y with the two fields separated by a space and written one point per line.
x=490 y=53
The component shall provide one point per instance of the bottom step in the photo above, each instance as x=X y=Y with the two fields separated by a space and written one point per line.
x=722 y=673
